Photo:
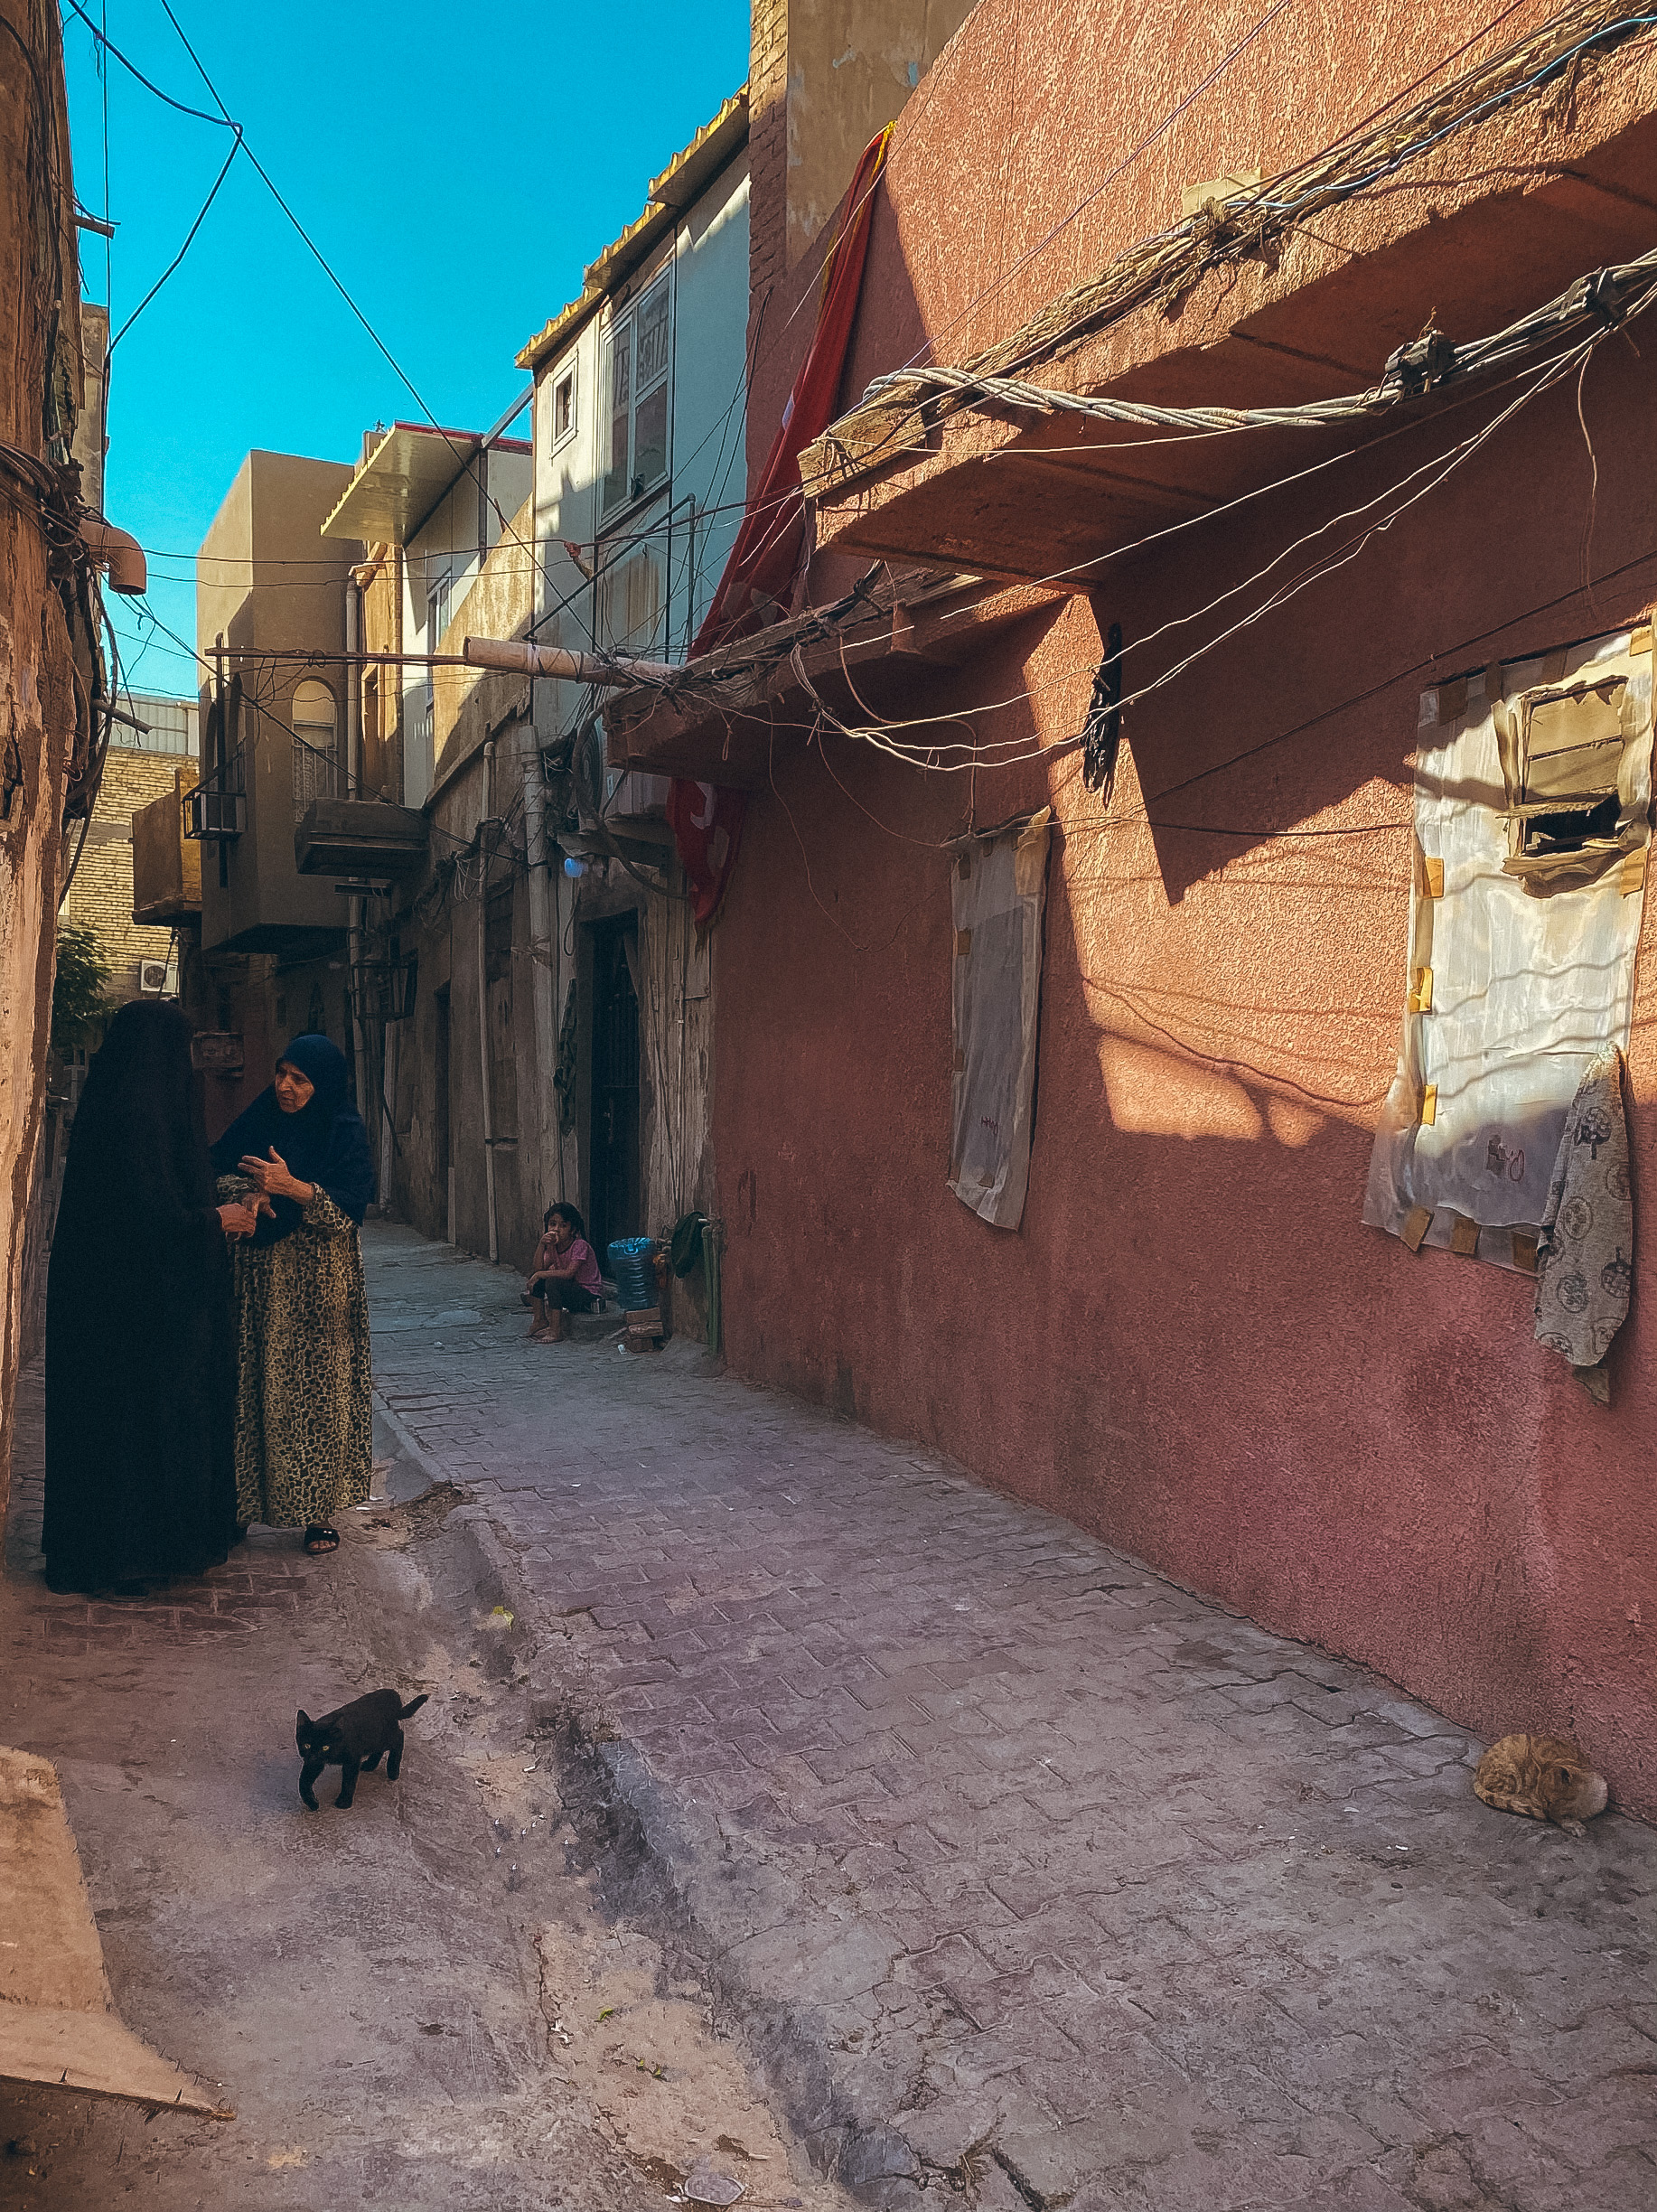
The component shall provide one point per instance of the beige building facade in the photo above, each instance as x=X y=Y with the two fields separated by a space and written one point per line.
x=101 y=897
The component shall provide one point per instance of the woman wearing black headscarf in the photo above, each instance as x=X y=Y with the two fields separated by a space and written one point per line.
x=303 y=1424
x=140 y=1362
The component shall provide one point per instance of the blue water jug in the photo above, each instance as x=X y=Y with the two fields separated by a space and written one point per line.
x=631 y=1264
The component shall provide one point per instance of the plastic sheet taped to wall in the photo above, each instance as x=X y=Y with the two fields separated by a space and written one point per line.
x=1533 y=790
x=1000 y=886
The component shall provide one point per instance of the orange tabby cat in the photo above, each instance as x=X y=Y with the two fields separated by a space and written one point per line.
x=1545 y=1776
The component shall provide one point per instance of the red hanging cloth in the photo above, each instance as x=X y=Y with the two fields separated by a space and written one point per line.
x=706 y=819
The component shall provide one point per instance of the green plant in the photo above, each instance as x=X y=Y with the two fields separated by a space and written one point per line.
x=78 y=988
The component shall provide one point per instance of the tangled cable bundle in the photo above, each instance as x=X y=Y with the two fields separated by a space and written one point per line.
x=1598 y=301
x=1160 y=269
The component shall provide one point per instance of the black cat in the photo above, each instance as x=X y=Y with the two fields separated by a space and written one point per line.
x=352 y=1740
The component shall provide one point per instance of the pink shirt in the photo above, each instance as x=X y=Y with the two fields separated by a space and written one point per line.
x=588 y=1277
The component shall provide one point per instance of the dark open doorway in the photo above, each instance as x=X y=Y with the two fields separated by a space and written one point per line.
x=616 y=1180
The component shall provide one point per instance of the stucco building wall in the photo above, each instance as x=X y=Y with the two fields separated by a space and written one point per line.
x=1192 y=1346
x=44 y=669
x=823 y=78
x=273 y=589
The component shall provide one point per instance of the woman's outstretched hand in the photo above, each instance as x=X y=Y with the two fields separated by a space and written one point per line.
x=272 y=1178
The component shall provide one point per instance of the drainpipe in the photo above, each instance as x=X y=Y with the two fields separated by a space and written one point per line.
x=357 y=907
x=118 y=551
x=540 y=938
x=390 y=1055
x=489 y=1119
x=353 y=690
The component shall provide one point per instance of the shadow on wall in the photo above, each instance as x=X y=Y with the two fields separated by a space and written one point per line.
x=1192 y=1347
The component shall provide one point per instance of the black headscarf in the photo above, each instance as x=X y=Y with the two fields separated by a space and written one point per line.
x=324 y=1142
x=138 y=1147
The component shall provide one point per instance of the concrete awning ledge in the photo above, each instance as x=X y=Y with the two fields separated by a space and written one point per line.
x=58 y=2021
x=1315 y=319
x=402 y=479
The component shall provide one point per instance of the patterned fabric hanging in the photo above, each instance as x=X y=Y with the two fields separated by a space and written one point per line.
x=1585 y=1259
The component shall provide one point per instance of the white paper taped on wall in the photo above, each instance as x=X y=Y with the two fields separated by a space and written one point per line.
x=1533 y=791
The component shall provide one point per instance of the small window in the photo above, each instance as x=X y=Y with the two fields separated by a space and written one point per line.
x=439 y=598
x=638 y=355
x=563 y=407
x=315 y=758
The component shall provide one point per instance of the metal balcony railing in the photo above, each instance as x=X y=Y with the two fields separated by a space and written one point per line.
x=316 y=776
x=216 y=809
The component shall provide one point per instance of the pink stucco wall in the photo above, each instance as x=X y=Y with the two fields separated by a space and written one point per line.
x=1192 y=1347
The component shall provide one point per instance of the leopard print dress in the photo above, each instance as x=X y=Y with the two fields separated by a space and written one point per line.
x=304 y=1422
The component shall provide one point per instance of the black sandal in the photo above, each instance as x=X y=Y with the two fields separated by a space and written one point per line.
x=320 y=1540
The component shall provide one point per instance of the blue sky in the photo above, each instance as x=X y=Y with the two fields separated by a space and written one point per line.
x=457 y=167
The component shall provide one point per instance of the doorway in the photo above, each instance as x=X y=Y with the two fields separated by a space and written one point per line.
x=616 y=1181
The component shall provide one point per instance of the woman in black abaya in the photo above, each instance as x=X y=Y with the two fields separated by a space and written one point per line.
x=140 y=1346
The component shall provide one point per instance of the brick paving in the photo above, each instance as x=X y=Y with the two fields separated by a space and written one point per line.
x=1077 y=1890
x=266 y=1576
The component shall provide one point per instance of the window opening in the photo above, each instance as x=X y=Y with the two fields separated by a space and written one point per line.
x=637 y=355
x=316 y=759
x=563 y=407
x=1532 y=807
x=439 y=588
x=997 y=894
x=1562 y=749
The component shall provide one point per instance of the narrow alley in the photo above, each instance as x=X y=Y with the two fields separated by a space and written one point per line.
x=1027 y=1871
x=829 y=1074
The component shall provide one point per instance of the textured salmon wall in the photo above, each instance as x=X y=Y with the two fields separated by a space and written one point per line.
x=1192 y=1346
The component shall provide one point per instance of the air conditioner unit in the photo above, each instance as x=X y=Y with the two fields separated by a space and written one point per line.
x=153 y=975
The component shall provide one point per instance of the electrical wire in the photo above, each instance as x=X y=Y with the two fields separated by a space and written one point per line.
x=1016 y=750
x=469 y=460
x=1343 y=138
x=189 y=242
x=132 y=69
x=1169 y=262
x=830 y=621
x=1431 y=364
x=1122 y=167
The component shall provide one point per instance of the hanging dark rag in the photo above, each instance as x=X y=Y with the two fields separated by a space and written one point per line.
x=1584 y=1257
x=685 y=1247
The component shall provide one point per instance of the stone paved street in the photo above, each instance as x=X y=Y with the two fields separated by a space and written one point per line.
x=362 y=1987
x=1035 y=1879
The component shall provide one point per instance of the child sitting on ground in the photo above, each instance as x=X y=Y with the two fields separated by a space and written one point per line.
x=566 y=1277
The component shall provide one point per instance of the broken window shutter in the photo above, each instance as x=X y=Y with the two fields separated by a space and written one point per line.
x=1512 y=978
x=1570 y=761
